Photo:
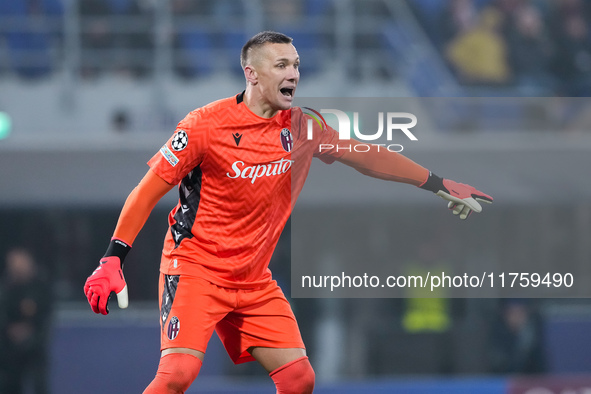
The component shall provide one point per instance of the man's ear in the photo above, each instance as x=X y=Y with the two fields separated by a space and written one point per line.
x=251 y=75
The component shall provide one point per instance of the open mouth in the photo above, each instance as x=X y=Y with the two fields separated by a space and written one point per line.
x=287 y=92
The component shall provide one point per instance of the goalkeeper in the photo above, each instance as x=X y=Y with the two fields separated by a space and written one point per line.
x=239 y=164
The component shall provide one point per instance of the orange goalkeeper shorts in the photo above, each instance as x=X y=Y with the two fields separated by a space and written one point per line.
x=191 y=308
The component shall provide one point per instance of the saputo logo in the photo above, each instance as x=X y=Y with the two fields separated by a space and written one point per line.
x=392 y=126
x=253 y=172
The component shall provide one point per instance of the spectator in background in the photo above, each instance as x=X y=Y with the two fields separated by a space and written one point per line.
x=423 y=344
x=457 y=18
x=479 y=56
x=25 y=302
x=96 y=37
x=29 y=45
x=192 y=44
x=563 y=9
x=572 y=62
x=531 y=52
x=508 y=8
x=138 y=43
x=516 y=343
x=426 y=320
x=364 y=64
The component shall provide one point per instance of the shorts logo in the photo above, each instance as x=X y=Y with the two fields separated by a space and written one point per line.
x=286 y=140
x=169 y=156
x=180 y=141
x=174 y=326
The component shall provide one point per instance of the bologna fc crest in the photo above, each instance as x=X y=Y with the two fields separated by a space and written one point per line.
x=180 y=140
x=174 y=326
x=286 y=140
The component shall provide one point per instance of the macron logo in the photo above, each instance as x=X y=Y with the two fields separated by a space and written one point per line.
x=253 y=172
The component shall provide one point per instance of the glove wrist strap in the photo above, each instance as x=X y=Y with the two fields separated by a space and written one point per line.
x=433 y=183
x=117 y=248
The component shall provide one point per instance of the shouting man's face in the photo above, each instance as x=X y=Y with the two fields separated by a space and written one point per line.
x=273 y=74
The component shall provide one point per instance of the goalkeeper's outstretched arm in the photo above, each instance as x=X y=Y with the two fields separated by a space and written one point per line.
x=108 y=276
x=383 y=164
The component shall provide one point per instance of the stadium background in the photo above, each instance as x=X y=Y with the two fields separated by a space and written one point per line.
x=90 y=89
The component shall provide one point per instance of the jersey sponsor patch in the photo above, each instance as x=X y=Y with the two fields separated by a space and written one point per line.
x=174 y=326
x=169 y=156
x=286 y=140
x=180 y=140
x=241 y=170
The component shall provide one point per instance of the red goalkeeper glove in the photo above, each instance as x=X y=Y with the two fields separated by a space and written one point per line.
x=108 y=277
x=463 y=199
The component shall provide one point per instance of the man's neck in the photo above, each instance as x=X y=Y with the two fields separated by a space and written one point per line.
x=253 y=101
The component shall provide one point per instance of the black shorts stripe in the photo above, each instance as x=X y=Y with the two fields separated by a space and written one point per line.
x=171 y=283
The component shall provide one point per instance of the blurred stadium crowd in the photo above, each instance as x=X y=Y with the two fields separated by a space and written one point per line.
x=534 y=47
x=193 y=37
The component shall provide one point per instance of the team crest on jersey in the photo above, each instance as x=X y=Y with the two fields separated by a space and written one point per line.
x=286 y=140
x=174 y=326
x=180 y=141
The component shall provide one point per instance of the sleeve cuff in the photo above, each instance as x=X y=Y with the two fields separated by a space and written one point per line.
x=433 y=183
x=117 y=248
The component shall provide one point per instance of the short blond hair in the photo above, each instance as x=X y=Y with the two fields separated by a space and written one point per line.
x=258 y=41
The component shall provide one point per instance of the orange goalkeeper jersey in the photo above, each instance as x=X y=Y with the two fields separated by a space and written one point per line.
x=239 y=176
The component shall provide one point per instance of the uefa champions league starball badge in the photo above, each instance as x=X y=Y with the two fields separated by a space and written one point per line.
x=180 y=141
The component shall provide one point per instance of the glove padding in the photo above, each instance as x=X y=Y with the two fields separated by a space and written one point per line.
x=463 y=199
x=106 y=278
